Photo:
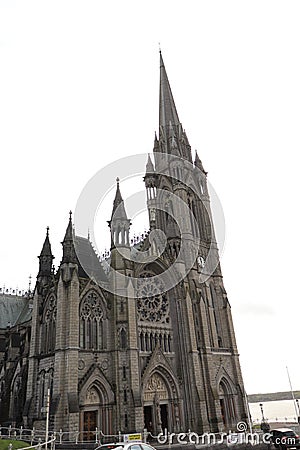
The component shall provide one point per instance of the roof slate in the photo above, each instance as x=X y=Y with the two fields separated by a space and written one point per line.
x=88 y=260
x=14 y=310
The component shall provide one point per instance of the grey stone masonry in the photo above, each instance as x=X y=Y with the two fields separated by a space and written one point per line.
x=153 y=345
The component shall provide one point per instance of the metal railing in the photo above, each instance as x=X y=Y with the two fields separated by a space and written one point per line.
x=36 y=438
x=96 y=436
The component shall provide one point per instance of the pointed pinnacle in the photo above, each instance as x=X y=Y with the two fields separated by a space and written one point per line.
x=198 y=163
x=118 y=211
x=46 y=250
x=69 y=230
x=167 y=108
x=149 y=165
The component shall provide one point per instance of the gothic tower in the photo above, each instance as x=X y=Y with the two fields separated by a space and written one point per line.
x=204 y=355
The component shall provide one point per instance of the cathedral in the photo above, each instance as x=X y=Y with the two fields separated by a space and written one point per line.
x=142 y=339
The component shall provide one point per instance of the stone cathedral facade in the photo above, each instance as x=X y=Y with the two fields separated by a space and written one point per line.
x=143 y=354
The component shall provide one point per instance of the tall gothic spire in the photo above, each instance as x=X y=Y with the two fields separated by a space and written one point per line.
x=167 y=108
x=172 y=137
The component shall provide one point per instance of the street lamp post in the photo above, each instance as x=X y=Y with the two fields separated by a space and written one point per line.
x=47 y=417
x=265 y=427
x=298 y=409
x=262 y=412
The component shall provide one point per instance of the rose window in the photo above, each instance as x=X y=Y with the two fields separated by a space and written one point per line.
x=152 y=301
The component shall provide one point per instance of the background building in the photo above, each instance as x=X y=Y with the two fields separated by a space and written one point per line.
x=155 y=353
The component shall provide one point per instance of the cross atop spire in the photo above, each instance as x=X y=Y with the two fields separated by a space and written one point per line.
x=167 y=108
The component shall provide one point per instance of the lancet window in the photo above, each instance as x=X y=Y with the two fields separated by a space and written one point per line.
x=91 y=322
x=48 y=328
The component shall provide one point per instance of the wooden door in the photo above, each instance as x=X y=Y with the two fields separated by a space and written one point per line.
x=89 y=425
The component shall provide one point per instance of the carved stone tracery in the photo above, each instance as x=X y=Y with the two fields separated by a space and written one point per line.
x=51 y=309
x=155 y=388
x=152 y=302
x=92 y=328
x=92 y=396
x=91 y=307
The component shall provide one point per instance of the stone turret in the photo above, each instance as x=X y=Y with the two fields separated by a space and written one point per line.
x=119 y=223
x=45 y=258
x=69 y=254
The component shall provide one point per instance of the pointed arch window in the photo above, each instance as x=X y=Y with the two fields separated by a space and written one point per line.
x=48 y=329
x=91 y=322
x=16 y=397
x=123 y=339
x=193 y=215
x=41 y=390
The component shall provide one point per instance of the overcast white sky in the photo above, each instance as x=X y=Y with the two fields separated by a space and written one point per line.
x=79 y=89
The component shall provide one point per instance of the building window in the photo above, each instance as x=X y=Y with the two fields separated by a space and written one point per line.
x=152 y=301
x=42 y=390
x=123 y=339
x=91 y=322
x=48 y=328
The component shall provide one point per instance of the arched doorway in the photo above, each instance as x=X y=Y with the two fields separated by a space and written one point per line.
x=161 y=409
x=95 y=412
x=227 y=403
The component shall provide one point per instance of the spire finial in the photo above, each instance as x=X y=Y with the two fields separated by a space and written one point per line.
x=117 y=180
x=70 y=214
x=47 y=232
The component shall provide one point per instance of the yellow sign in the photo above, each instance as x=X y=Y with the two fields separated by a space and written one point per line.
x=132 y=437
